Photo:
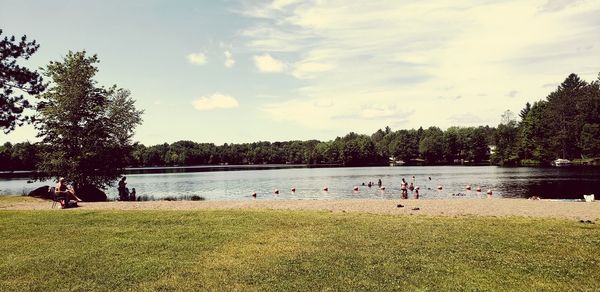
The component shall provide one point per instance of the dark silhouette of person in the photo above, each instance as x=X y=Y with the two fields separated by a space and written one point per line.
x=123 y=191
x=132 y=195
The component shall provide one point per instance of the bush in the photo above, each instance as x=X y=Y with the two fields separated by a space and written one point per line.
x=145 y=198
x=196 y=198
x=530 y=162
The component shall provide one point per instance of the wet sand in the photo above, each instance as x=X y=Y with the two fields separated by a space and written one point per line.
x=443 y=207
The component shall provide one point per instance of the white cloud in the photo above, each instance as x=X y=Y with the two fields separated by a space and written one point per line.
x=215 y=101
x=266 y=63
x=309 y=69
x=466 y=119
x=378 y=111
x=512 y=93
x=279 y=4
x=197 y=58
x=557 y=5
x=404 y=55
x=229 y=61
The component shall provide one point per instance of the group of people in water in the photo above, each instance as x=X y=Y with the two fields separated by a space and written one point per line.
x=405 y=187
x=62 y=189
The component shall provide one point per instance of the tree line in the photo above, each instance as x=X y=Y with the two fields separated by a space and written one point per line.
x=428 y=146
x=421 y=146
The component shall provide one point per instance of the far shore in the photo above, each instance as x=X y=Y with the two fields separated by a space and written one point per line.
x=443 y=207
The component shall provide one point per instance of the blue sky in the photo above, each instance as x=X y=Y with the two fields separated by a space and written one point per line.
x=243 y=71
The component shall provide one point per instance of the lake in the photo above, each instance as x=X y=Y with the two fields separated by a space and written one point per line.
x=239 y=184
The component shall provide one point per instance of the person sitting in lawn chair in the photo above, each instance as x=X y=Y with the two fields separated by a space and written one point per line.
x=62 y=189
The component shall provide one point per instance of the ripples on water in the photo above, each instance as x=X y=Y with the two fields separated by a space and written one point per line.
x=563 y=183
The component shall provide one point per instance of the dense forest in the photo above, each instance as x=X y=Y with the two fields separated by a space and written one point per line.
x=566 y=124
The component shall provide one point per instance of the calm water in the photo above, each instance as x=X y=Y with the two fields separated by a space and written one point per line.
x=561 y=183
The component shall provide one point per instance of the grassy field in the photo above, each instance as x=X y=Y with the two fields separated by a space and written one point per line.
x=284 y=250
x=5 y=199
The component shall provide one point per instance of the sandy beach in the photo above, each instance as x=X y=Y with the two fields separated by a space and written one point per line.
x=444 y=207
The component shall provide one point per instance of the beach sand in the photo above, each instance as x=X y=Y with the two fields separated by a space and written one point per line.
x=443 y=207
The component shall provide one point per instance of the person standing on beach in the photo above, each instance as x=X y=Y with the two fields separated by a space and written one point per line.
x=379 y=183
x=123 y=192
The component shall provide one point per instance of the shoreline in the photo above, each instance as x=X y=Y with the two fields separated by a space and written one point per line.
x=497 y=207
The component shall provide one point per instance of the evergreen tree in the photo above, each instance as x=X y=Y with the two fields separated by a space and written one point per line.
x=15 y=81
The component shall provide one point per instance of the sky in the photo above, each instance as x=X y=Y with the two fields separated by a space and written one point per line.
x=234 y=71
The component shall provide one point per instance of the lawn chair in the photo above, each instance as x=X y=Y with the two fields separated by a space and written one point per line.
x=56 y=198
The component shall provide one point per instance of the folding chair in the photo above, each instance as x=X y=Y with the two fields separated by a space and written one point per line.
x=56 y=198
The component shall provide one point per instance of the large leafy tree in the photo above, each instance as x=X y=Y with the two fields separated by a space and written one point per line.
x=405 y=145
x=86 y=129
x=16 y=80
x=431 y=145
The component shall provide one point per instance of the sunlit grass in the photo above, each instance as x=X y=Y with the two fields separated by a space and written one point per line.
x=8 y=199
x=285 y=250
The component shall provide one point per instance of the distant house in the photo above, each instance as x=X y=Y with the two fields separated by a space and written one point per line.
x=491 y=149
x=394 y=162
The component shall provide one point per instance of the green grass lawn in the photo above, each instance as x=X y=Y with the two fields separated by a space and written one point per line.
x=4 y=199
x=285 y=250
